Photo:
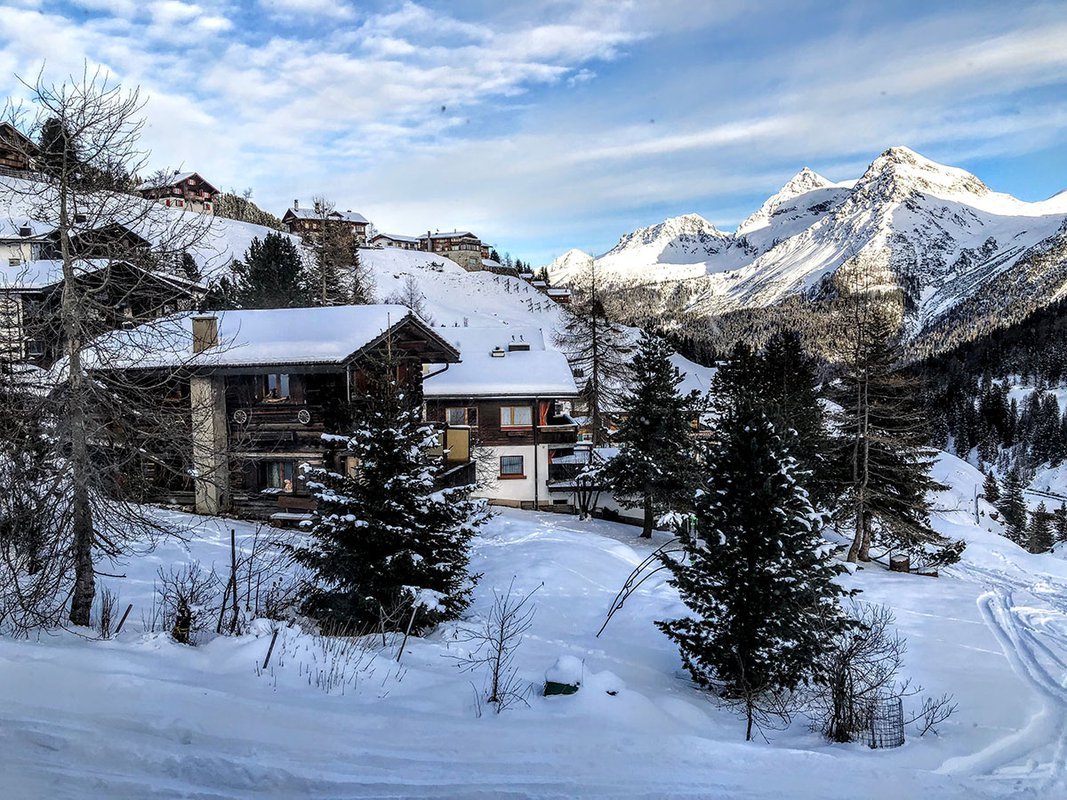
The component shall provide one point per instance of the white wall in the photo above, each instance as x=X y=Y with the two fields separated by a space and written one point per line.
x=512 y=491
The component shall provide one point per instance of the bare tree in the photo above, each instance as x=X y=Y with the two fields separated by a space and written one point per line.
x=106 y=433
x=598 y=353
x=494 y=643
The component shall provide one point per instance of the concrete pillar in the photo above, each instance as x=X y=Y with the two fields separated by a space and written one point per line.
x=207 y=397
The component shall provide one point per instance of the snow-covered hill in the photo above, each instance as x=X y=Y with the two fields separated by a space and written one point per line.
x=139 y=716
x=951 y=243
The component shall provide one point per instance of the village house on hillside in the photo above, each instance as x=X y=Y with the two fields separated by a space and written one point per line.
x=513 y=396
x=395 y=240
x=15 y=150
x=463 y=247
x=31 y=291
x=308 y=222
x=263 y=386
x=186 y=190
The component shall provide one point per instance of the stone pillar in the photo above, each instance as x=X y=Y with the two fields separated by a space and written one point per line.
x=207 y=396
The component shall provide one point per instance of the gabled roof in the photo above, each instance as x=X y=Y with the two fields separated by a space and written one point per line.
x=331 y=336
x=451 y=235
x=9 y=132
x=36 y=275
x=340 y=216
x=11 y=229
x=164 y=181
x=396 y=237
x=536 y=372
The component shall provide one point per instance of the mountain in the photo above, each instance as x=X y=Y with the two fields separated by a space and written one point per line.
x=960 y=253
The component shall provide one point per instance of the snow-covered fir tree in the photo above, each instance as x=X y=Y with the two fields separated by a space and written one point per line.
x=990 y=488
x=1059 y=523
x=1012 y=507
x=384 y=542
x=1039 y=531
x=757 y=575
x=656 y=468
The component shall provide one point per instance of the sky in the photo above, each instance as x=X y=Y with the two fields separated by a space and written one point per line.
x=549 y=124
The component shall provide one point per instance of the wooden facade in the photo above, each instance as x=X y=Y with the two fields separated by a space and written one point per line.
x=185 y=190
x=15 y=150
x=308 y=223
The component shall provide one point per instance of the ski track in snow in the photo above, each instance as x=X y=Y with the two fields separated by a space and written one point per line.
x=1034 y=640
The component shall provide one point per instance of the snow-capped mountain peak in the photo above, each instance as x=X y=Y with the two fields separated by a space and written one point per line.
x=900 y=170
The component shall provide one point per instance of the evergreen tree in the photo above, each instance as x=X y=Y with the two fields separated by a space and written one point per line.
x=596 y=349
x=791 y=399
x=882 y=450
x=756 y=576
x=656 y=467
x=1012 y=507
x=384 y=541
x=990 y=489
x=1039 y=532
x=271 y=275
x=1059 y=523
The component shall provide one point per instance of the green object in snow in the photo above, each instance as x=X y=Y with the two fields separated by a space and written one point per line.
x=553 y=688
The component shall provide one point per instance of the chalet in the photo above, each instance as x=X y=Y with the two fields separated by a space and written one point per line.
x=30 y=293
x=513 y=397
x=185 y=190
x=15 y=150
x=463 y=247
x=561 y=294
x=263 y=386
x=309 y=222
x=396 y=240
x=22 y=240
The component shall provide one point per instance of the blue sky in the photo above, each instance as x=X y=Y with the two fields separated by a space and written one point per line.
x=551 y=124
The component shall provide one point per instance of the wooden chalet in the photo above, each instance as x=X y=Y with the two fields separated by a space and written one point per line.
x=184 y=190
x=309 y=222
x=396 y=240
x=16 y=150
x=463 y=247
x=30 y=293
x=263 y=386
x=513 y=398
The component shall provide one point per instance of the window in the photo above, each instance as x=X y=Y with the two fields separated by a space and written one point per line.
x=34 y=348
x=516 y=417
x=14 y=262
x=279 y=476
x=462 y=416
x=276 y=387
x=512 y=467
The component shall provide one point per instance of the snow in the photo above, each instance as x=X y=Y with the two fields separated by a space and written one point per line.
x=249 y=338
x=939 y=225
x=456 y=298
x=140 y=716
x=218 y=240
x=567 y=669
x=41 y=274
x=536 y=372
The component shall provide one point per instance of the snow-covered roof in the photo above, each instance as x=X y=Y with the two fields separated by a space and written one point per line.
x=165 y=181
x=491 y=264
x=450 y=235
x=11 y=228
x=33 y=275
x=396 y=237
x=252 y=338
x=536 y=372
x=344 y=216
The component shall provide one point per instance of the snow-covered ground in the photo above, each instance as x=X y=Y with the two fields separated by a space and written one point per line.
x=143 y=717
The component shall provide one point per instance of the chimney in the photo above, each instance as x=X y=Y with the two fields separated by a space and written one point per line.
x=296 y=205
x=205 y=332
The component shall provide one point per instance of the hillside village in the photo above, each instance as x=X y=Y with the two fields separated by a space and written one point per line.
x=400 y=516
